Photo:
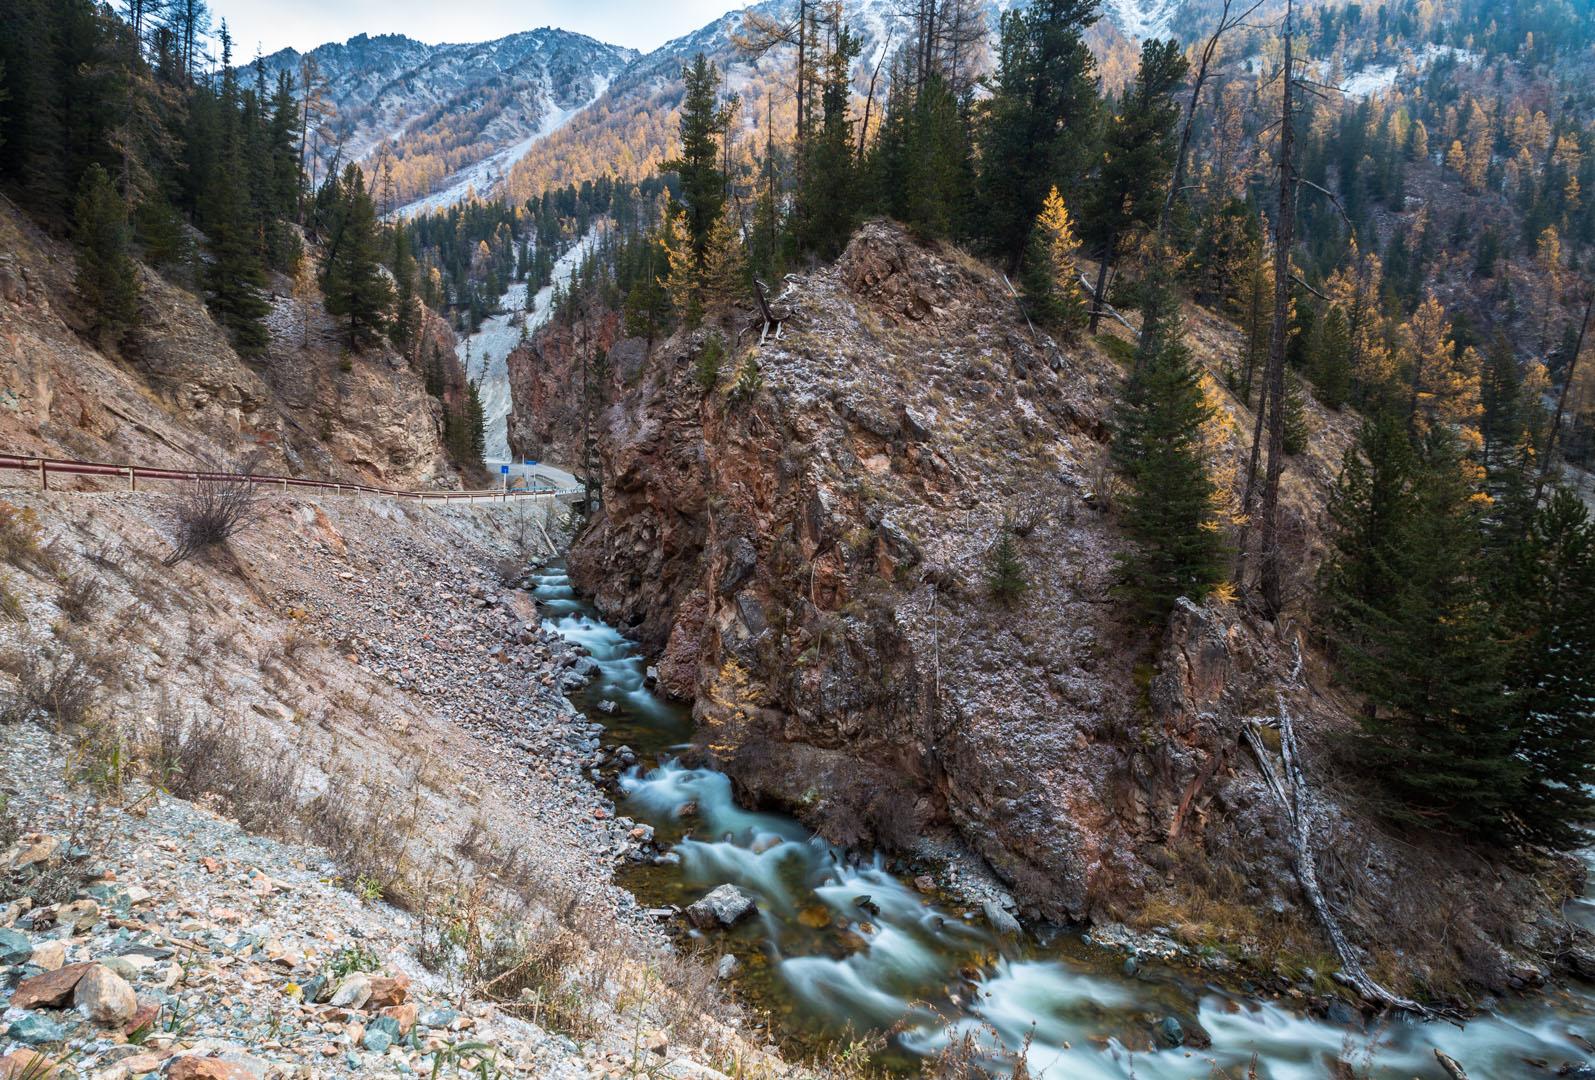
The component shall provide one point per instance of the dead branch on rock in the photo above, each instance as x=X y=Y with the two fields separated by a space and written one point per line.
x=1296 y=800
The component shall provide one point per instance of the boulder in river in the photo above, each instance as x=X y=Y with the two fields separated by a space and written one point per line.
x=726 y=906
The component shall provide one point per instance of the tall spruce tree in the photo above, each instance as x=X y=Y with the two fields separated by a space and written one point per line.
x=1137 y=157
x=1549 y=609
x=1040 y=121
x=1405 y=603
x=406 y=326
x=354 y=285
x=107 y=277
x=236 y=274
x=702 y=183
x=827 y=197
x=1170 y=512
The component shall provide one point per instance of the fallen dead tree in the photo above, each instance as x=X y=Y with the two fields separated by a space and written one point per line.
x=1295 y=799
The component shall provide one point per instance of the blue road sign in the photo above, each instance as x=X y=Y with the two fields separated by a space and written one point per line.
x=504 y=470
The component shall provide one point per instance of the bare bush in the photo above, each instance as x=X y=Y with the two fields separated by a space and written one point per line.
x=58 y=681
x=367 y=833
x=210 y=510
x=10 y=829
x=20 y=534
x=80 y=595
x=257 y=783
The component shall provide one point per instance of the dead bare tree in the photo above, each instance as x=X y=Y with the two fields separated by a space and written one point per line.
x=1274 y=387
x=211 y=508
x=1296 y=801
x=761 y=34
x=1228 y=19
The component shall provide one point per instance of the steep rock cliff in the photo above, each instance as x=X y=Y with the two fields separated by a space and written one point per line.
x=810 y=559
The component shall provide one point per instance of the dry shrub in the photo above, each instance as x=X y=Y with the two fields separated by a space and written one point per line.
x=367 y=833
x=10 y=828
x=80 y=595
x=533 y=974
x=210 y=511
x=252 y=778
x=19 y=539
x=58 y=680
x=10 y=606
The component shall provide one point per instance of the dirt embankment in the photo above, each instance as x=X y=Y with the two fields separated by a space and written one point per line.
x=177 y=393
x=354 y=683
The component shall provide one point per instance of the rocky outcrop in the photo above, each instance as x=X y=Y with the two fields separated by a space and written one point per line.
x=809 y=562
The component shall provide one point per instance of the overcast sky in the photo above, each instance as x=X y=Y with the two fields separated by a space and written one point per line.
x=304 y=24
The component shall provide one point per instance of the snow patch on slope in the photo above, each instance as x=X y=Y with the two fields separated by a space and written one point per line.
x=1141 y=19
x=1379 y=78
x=485 y=354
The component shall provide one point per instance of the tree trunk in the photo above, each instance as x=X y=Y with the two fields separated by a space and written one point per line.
x=1561 y=402
x=1284 y=237
x=1250 y=497
x=1099 y=294
x=1296 y=802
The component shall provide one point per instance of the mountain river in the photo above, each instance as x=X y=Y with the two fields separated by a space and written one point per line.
x=828 y=965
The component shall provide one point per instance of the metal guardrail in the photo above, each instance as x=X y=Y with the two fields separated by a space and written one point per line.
x=44 y=467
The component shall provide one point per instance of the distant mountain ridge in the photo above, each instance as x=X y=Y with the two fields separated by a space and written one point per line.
x=462 y=117
x=449 y=114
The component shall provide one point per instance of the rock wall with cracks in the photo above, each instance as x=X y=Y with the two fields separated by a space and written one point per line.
x=809 y=562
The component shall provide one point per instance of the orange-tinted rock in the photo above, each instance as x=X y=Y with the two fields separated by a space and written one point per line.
x=404 y=1015
x=194 y=1067
x=50 y=990
x=387 y=991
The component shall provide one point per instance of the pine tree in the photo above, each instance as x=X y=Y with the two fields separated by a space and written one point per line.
x=1296 y=430
x=724 y=275
x=433 y=373
x=1367 y=516
x=702 y=183
x=160 y=234
x=1414 y=634
x=1005 y=575
x=353 y=284
x=407 y=310
x=1551 y=684
x=1039 y=121
x=681 y=279
x=475 y=426
x=647 y=310
x=1170 y=513
x=1137 y=158
x=1050 y=278
x=1330 y=365
x=235 y=275
x=827 y=196
x=107 y=277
